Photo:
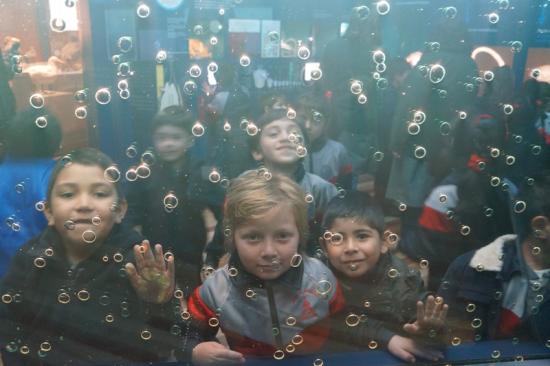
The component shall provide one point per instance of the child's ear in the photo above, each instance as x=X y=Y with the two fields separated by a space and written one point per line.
x=384 y=244
x=538 y=226
x=120 y=210
x=257 y=155
x=49 y=215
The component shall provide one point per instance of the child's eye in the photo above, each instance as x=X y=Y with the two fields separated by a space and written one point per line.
x=66 y=194
x=363 y=236
x=252 y=237
x=102 y=194
x=284 y=236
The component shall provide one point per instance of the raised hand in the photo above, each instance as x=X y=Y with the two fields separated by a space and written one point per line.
x=214 y=353
x=153 y=276
x=429 y=317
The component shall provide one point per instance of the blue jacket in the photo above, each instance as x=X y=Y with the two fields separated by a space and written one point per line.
x=474 y=288
x=23 y=184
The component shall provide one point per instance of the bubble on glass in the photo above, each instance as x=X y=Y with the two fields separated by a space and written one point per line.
x=508 y=109
x=424 y=263
x=58 y=25
x=493 y=18
x=437 y=73
x=146 y=335
x=214 y=176
x=63 y=298
x=297 y=340
x=124 y=94
x=124 y=70
x=503 y=4
x=510 y=159
x=148 y=157
x=382 y=83
x=520 y=206
x=488 y=212
x=442 y=93
x=373 y=345
x=303 y=53
x=279 y=355
x=252 y=129
x=251 y=294
x=309 y=198
x=143 y=171
x=380 y=68
x=383 y=7
x=469 y=87
x=361 y=12
x=323 y=287
x=143 y=11
x=402 y=207
x=195 y=71
x=462 y=115
x=393 y=273
x=379 y=57
x=125 y=44
x=535 y=73
x=456 y=341
x=41 y=122
x=116 y=59
x=244 y=61
x=198 y=129
x=450 y=12
x=212 y=67
x=316 y=73
x=170 y=200
x=36 y=101
x=419 y=117
x=103 y=96
x=81 y=112
x=301 y=151
x=433 y=46
x=465 y=230
x=356 y=87
x=352 y=320
x=378 y=156
x=111 y=174
x=318 y=362
x=420 y=152
x=290 y=113
x=413 y=128
x=516 y=46
x=536 y=149
x=89 y=236
x=190 y=87
x=69 y=225
x=213 y=40
x=39 y=262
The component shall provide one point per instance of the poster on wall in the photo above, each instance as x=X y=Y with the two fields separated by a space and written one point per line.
x=244 y=36
x=271 y=39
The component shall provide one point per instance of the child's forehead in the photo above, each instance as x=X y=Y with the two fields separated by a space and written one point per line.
x=282 y=123
x=75 y=173
x=357 y=222
x=170 y=130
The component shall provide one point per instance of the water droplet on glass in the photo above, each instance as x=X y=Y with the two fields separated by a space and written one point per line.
x=379 y=56
x=214 y=176
x=125 y=44
x=316 y=73
x=212 y=67
x=36 y=101
x=103 y=96
x=170 y=201
x=198 y=129
x=244 y=61
x=89 y=236
x=450 y=12
x=124 y=94
x=58 y=24
x=252 y=129
x=189 y=87
x=361 y=12
x=508 y=109
x=143 y=11
x=303 y=53
x=111 y=174
x=493 y=18
x=195 y=71
x=383 y=7
x=81 y=112
x=124 y=70
x=437 y=73
x=516 y=46
x=382 y=83
x=148 y=157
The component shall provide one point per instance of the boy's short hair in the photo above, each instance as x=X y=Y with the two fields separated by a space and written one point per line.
x=354 y=205
x=310 y=103
x=251 y=195
x=85 y=156
x=267 y=118
x=28 y=139
x=173 y=116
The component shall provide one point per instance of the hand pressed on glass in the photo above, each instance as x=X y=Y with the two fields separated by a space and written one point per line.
x=153 y=275
x=407 y=348
x=429 y=317
x=214 y=353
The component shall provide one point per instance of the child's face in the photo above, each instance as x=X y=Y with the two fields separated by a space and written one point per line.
x=275 y=146
x=79 y=197
x=315 y=126
x=171 y=142
x=266 y=245
x=358 y=250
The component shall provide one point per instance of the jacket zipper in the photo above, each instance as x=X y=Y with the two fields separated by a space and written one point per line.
x=274 y=317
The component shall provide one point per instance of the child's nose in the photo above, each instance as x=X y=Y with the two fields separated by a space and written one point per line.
x=84 y=202
x=268 y=250
x=349 y=246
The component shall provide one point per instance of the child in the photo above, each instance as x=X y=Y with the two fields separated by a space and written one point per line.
x=277 y=142
x=382 y=294
x=32 y=140
x=65 y=298
x=271 y=299
x=327 y=158
x=502 y=289
x=179 y=227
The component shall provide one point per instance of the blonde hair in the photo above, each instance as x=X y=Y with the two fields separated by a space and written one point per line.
x=254 y=193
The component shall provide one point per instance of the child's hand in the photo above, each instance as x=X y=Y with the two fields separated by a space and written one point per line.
x=214 y=353
x=154 y=277
x=428 y=317
x=406 y=349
